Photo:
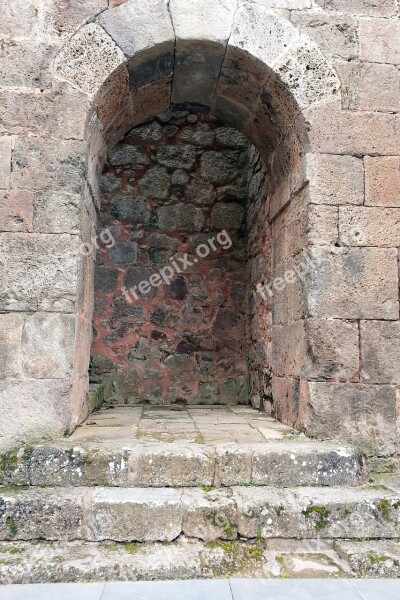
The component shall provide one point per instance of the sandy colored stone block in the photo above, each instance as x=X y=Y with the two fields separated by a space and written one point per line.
x=322 y=225
x=334 y=35
x=333 y=131
x=233 y=464
x=48 y=346
x=90 y=45
x=5 y=162
x=209 y=515
x=191 y=20
x=380 y=347
x=138 y=27
x=335 y=179
x=360 y=414
x=378 y=559
x=16 y=211
x=382 y=181
x=252 y=21
x=379 y=88
x=332 y=349
x=60 y=112
x=319 y=464
x=380 y=8
x=330 y=513
x=379 y=41
x=26 y=63
x=287 y=357
x=134 y=514
x=56 y=212
x=33 y=409
x=157 y=466
x=47 y=163
x=270 y=515
x=41 y=514
x=38 y=272
x=307 y=75
x=354 y=283
x=11 y=326
x=369 y=226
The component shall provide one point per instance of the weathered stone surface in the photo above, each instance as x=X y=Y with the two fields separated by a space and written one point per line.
x=177 y=157
x=26 y=63
x=382 y=181
x=123 y=155
x=352 y=132
x=146 y=515
x=322 y=225
x=209 y=515
x=380 y=343
x=136 y=27
x=251 y=22
x=228 y=215
x=221 y=167
x=370 y=226
x=181 y=217
x=16 y=211
x=328 y=513
x=306 y=464
x=271 y=515
x=192 y=21
x=379 y=41
x=39 y=163
x=384 y=8
x=182 y=559
x=360 y=414
x=233 y=464
x=333 y=349
x=375 y=559
x=334 y=35
x=176 y=465
x=369 y=86
x=90 y=45
x=198 y=135
x=50 y=418
x=136 y=210
x=11 y=326
x=230 y=137
x=38 y=272
x=155 y=183
x=56 y=212
x=48 y=346
x=335 y=179
x=5 y=162
x=365 y=281
x=304 y=69
x=35 y=514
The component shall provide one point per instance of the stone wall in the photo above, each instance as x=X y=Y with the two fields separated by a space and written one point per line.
x=175 y=187
x=313 y=85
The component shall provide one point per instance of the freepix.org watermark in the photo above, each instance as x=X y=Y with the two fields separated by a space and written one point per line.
x=179 y=264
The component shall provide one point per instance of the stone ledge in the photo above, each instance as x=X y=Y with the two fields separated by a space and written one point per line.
x=150 y=515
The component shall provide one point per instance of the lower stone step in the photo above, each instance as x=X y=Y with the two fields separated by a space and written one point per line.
x=283 y=464
x=73 y=562
x=163 y=514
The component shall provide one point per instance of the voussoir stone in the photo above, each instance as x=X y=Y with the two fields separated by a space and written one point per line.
x=134 y=514
x=136 y=27
x=91 y=45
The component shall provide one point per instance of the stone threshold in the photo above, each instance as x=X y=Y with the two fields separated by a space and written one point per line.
x=209 y=446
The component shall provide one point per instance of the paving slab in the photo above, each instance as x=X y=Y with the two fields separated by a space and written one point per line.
x=168 y=590
x=305 y=589
x=376 y=589
x=60 y=591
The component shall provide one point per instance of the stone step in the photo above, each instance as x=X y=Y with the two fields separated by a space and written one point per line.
x=163 y=514
x=281 y=463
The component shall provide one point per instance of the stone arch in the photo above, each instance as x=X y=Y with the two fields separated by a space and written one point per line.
x=251 y=68
x=136 y=61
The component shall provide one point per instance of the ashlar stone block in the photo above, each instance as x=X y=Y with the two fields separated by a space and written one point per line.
x=380 y=347
x=382 y=181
